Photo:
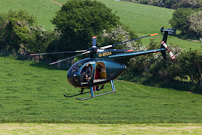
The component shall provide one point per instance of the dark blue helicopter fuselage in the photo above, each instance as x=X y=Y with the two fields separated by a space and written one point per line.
x=113 y=70
x=114 y=65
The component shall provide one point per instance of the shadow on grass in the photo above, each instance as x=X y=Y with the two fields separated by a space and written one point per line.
x=45 y=65
x=174 y=84
x=186 y=37
x=157 y=82
x=22 y=58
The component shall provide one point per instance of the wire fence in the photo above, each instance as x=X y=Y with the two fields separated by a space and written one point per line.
x=39 y=59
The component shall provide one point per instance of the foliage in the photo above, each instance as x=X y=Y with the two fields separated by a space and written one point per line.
x=179 y=20
x=15 y=29
x=195 y=20
x=167 y=69
x=191 y=3
x=41 y=39
x=79 y=20
x=174 y=4
x=154 y=65
x=188 y=21
x=190 y=62
x=117 y=35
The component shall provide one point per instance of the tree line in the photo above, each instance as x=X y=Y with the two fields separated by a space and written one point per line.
x=76 y=22
x=173 y=4
x=188 y=21
x=186 y=18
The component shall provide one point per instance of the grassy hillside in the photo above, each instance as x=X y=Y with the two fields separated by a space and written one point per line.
x=44 y=10
x=143 y=19
x=32 y=92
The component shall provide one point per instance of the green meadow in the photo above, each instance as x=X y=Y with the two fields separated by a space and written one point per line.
x=44 y=10
x=143 y=19
x=32 y=92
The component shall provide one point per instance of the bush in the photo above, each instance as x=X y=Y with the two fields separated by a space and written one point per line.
x=179 y=20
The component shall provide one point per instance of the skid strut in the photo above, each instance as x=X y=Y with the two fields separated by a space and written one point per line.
x=93 y=95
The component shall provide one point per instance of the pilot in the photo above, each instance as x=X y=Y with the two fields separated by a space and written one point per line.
x=86 y=72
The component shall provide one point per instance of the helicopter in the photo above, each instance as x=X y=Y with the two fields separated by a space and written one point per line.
x=110 y=62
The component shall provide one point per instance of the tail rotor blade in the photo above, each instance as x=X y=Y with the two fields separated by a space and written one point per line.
x=69 y=58
x=165 y=45
x=172 y=56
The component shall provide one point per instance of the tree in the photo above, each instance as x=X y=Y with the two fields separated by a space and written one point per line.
x=195 y=21
x=15 y=29
x=191 y=3
x=79 y=20
x=188 y=64
x=117 y=35
x=41 y=39
x=166 y=69
x=179 y=20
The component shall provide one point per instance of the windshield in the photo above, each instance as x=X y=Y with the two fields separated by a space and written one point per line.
x=75 y=68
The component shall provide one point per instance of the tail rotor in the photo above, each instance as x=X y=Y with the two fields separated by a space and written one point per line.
x=165 y=45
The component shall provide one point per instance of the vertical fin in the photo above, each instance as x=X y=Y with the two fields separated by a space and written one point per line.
x=165 y=35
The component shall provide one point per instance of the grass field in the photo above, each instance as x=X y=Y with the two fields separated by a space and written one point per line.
x=97 y=129
x=33 y=92
x=44 y=10
x=143 y=19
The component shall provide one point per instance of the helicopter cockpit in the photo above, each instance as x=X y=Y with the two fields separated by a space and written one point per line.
x=76 y=67
x=73 y=73
x=86 y=72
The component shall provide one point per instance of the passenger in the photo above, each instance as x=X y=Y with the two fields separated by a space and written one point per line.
x=97 y=72
x=86 y=73
x=97 y=76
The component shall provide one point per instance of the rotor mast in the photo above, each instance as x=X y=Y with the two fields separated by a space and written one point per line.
x=93 y=49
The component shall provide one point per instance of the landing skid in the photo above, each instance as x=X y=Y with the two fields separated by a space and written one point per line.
x=96 y=95
x=77 y=94
x=92 y=92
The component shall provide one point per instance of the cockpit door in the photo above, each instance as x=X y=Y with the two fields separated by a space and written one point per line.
x=87 y=73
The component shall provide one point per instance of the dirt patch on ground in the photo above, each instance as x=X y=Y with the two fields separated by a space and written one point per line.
x=57 y=3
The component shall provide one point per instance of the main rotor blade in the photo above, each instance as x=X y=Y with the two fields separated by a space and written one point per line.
x=69 y=58
x=109 y=46
x=114 y=50
x=57 y=52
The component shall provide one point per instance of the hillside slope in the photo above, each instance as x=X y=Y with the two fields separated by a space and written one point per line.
x=143 y=19
x=44 y=10
x=33 y=92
